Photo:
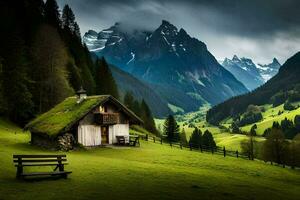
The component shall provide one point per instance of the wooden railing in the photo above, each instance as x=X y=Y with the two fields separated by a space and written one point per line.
x=107 y=118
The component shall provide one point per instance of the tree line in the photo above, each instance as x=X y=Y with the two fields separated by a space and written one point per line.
x=196 y=140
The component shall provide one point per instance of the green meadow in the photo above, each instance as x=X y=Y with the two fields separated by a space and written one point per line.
x=152 y=171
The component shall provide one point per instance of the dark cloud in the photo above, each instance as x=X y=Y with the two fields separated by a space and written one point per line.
x=256 y=25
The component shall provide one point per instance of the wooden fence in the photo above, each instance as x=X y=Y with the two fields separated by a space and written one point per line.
x=199 y=148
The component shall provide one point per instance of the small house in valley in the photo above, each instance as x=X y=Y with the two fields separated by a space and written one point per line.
x=84 y=120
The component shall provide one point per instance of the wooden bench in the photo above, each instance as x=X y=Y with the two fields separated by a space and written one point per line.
x=121 y=140
x=134 y=140
x=57 y=161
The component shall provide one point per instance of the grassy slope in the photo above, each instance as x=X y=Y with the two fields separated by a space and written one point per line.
x=150 y=172
x=269 y=116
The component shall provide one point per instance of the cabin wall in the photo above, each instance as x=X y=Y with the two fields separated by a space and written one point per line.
x=43 y=140
x=118 y=130
x=89 y=135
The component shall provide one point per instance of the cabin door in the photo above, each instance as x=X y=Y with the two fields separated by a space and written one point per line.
x=104 y=135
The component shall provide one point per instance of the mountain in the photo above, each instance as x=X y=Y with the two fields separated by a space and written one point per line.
x=178 y=67
x=126 y=82
x=285 y=85
x=267 y=71
x=245 y=71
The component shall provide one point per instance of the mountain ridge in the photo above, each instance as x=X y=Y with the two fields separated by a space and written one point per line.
x=171 y=60
x=285 y=83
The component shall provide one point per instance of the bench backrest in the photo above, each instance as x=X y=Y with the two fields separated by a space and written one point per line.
x=45 y=159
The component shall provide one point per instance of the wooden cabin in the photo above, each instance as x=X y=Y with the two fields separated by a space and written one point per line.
x=82 y=120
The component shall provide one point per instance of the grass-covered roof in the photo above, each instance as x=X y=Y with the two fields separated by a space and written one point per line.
x=63 y=116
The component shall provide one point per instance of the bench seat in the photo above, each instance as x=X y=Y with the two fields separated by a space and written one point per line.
x=56 y=173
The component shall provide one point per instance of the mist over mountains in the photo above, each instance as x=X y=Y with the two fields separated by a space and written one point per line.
x=176 y=66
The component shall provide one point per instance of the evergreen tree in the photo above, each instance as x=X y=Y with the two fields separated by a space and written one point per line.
x=136 y=108
x=253 y=130
x=249 y=146
x=183 y=139
x=235 y=128
x=74 y=75
x=196 y=138
x=147 y=117
x=128 y=100
x=50 y=59
x=105 y=83
x=68 y=18
x=297 y=122
x=171 y=128
x=52 y=15
x=208 y=140
x=76 y=31
x=16 y=82
x=274 y=146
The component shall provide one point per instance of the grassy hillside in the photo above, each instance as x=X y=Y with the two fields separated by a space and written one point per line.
x=269 y=116
x=150 y=172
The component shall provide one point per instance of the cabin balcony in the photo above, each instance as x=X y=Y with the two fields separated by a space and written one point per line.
x=107 y=118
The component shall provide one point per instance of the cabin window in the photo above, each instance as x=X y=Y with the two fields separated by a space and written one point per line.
x=101 y=109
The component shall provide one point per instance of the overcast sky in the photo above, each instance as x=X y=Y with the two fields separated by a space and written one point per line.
x=258 y=29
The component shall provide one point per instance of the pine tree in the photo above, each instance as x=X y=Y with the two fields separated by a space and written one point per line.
x=136 y=108
x=16 y=82
x=105 y=83
x=147 y=117
x=183 y=139
x=297 y=122
x=171 y=129
x=196 y=138
x=274 y=146
x=208 y=140
x=52 y=15
x=50 y=59
x=68 y=18
x=128 y=100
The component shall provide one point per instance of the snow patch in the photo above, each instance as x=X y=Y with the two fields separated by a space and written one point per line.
x=133 y=57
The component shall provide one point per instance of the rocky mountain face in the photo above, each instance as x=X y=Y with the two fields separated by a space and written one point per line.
x=267 y=71
x=177 y=67
x=250 y=74
x=245 y=71
x=284 y=86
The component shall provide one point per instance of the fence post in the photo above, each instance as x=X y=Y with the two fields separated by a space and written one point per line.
x=237 y=153
x=146 y=137
x=190 y=146
x=224 y=151
x=161 y=141
x=201 y=148
x=171 y=144
x=154 y=139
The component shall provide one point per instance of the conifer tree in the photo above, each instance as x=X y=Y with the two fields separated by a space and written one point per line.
x=52 y=15
x=183 y=139
x=68 y=18
x=147 y=117
x=50 y=75
x=16 y=82
x=208 y=140
x=128 y=100
x=171 y=128
x=196 y=138
x=105 y=83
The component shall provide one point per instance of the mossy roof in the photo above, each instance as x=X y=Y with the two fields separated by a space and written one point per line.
x=63 y=116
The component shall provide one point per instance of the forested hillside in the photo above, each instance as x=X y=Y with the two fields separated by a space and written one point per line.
x=43 y=61
x=282 y=88
x=42 y=58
